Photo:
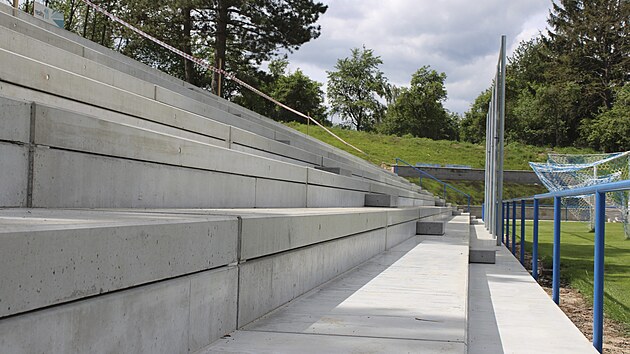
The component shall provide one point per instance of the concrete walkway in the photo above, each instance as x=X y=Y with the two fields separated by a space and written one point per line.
x=511 y=313
x=410 y=299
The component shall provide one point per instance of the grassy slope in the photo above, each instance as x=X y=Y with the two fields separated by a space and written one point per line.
x=576 y=262
x=385 y=148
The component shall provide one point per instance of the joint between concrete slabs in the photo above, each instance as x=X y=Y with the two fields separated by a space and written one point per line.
x=31 y=159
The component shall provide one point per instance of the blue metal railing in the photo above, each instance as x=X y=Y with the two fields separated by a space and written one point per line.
x=444 y=184
x=599 y=191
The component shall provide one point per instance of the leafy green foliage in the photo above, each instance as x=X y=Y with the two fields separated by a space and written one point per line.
x=559 y=84
x=611 y=130
x=418 y=110
x=473 y=125
x=355 y=87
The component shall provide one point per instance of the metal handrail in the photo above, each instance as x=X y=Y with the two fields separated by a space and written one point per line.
x=599 y=191
x=444 y=184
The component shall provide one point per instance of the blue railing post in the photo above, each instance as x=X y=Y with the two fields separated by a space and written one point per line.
x=598 y=271
x=535 y=242
x=507 y=225
x=503 y=222
x=523 y=232
x=469 y=203
x=445 y=193
x=483 y=211
x=514 y=227
x=557 y=217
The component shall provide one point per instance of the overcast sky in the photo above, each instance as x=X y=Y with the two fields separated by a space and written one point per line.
x=458 y=37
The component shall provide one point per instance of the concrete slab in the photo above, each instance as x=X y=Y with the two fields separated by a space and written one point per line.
x=273 y=343
x=13 y=175
x=482 y=245
x=76 y=180
x=403 y=296
x=510 y=313
x=326 y=197
x=15 y=120
x=381 y=200
x=56 y=256
x=174 y=316
x=430 y=228
x=269 y=282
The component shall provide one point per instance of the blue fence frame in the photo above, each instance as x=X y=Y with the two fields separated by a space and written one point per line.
x=600 y=191
x=422 y=173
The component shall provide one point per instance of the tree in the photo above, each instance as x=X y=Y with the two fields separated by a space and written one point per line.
x=299 y=92
x=611 y=130
x=356 y=88
x=589 y=45
x=296 y=90
x=418 y=110
x=234 y=35
x=473 y=125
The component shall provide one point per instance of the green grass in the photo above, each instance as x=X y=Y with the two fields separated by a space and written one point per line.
x=576 y=262
x=385 y=148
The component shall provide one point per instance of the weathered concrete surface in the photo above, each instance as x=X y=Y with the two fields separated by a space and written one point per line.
x=407 y=298
x=430 y=228
x=269 y=282
x=510 y=313
x=174 y=316
x=381 y=200
x=482 y=245
x=13 y=175
x=471 y=174
x=15 y=120
x=55 y=256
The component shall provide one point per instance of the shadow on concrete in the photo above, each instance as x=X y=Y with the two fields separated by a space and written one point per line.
x=483 y=330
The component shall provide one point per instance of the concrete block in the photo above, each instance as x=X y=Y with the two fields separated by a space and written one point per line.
x=399 y=233
x=323 y=197
x=51 y=257
x=252 y=151
x=381 y=200
x=483 y=245
x=252 y=140
x=323 y=178
x=279 y=194
x=335 y=170
x=430 y=228
x=13 y=175
x=268 y=234
x=15 y=120
x=269 y=282
x=164 y=317
x=70 y=179
x=400 y=215
x=59 y=82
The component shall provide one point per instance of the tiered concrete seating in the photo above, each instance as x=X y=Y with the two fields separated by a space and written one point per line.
x=101 y=161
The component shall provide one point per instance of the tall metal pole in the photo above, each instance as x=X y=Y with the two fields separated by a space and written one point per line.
x=16 y=3
x=500 y=131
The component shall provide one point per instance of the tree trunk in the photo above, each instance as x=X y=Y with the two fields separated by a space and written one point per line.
x=220 y=44
x=189 y=68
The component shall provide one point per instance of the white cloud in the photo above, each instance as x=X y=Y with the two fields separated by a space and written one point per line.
x=458 y=37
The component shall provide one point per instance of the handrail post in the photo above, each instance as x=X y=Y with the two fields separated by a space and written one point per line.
x=469 y=204
x=557 y=216
x=513 y=227
x=507 y=225
x=598 y=271
x=535 y=242
x=503 y=222
x=483 y=212
x=523 y=231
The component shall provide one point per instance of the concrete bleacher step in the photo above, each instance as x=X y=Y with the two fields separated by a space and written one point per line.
x=76 y=61
x=404 y=300
x=111 y=280
x=482 y=245
x=510 y=313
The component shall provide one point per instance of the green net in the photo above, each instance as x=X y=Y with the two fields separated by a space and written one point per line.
x=564 y=171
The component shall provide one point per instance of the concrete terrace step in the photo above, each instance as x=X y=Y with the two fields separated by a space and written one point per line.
x=510 y=313
x=172 y=280
x=408 y=299
x=71 y=56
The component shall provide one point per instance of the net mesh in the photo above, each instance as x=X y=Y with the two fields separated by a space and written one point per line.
x=563 y=171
